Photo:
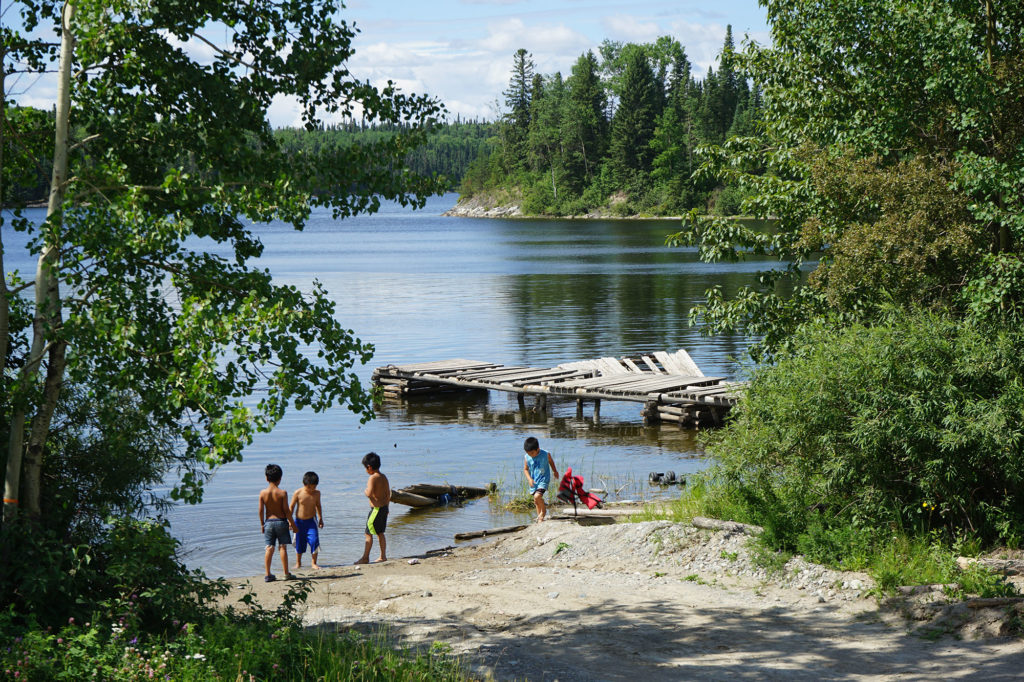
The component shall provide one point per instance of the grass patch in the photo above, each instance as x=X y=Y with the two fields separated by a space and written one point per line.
x=892 y=557
x=227 y=647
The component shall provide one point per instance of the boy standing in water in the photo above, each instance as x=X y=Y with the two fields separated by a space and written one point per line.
x=378 y=491
x=306 y=509
x=275 y=518
x=538 y=465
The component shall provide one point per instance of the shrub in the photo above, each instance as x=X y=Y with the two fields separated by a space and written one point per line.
x=914 y=424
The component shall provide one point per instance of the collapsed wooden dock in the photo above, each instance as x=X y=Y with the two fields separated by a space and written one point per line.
x=670 y=385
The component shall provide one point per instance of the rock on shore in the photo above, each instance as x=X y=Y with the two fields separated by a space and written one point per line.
x=483 y=207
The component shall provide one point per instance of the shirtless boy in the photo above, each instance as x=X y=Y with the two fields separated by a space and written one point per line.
x=378 y=491
x=309 y=516
x=275 y=519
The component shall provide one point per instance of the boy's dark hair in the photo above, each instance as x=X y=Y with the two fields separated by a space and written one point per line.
x=531 y=444
x=273 y=473
x=310 y=478
x=372 y=460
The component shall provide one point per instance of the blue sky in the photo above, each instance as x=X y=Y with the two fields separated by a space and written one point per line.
x=461 y=50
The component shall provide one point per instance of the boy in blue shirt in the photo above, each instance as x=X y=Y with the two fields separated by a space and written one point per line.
x=538 y=466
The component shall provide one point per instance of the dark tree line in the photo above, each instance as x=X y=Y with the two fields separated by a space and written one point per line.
x=621 y=131
x=448 y=151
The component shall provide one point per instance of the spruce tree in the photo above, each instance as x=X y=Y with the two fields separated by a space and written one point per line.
x=584 y=126
x=629 y=153
x=517 y=116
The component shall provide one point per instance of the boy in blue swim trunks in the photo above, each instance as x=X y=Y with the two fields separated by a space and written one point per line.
x=307 y=510
x=538 y=465
x=378 y=491
x=275 y=518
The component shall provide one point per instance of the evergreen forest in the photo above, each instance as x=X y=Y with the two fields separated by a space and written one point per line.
x=621 y=132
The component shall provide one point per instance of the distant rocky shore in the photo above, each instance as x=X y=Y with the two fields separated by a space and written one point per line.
x=485 y=207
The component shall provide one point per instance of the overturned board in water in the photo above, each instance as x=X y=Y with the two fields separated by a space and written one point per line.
x=433 y=490
x=411 y=499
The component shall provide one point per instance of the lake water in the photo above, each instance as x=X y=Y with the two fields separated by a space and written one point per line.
x=422 y=287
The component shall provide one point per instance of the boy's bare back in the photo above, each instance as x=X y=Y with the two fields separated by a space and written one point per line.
x=378 y=490
x=274 y=501
x=306 y=503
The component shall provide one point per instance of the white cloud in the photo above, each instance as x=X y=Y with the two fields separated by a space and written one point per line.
x=631 y=29
x=469 y=74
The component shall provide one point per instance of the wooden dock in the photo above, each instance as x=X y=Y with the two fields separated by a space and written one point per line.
x=669 y=385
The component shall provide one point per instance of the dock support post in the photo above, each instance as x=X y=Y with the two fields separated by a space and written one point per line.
x=521 y=399
x=579 y=408
x=651 y=414
x=542 y=404
x=597 y=411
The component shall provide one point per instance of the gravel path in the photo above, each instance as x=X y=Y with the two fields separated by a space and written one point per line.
x=650 y=601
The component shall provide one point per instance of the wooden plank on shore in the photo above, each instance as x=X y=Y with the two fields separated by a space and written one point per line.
x=583 y=511
x=489 y=531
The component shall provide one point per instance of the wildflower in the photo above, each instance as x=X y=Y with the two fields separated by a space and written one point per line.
x=275 y=666
x=71 y=620
x=60 y=640
x=199 y=657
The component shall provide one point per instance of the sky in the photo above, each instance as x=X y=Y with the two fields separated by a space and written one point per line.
x=460 y=51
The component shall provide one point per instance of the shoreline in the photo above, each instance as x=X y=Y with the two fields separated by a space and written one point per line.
x=477 y=207
x=654 y=600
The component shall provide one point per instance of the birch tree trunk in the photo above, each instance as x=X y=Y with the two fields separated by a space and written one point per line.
x=47 y=312
x=5 y=309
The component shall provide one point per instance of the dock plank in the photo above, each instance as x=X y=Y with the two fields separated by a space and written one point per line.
x=650 y=363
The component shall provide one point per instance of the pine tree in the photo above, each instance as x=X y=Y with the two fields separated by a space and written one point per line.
x=517 y=116
x=629 y=153
x=544 y=142
x=584 y=126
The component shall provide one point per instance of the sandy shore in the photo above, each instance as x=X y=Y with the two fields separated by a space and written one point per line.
x=652 y=601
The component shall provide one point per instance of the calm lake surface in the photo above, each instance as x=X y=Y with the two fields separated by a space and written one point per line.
x=423 y=287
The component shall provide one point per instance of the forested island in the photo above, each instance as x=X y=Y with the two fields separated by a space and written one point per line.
x=618 y=136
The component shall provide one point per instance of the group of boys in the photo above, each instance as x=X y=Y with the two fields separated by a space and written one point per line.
x=305 y=516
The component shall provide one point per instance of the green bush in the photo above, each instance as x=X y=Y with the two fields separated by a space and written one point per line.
x=131 y=565
x=911 y=425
